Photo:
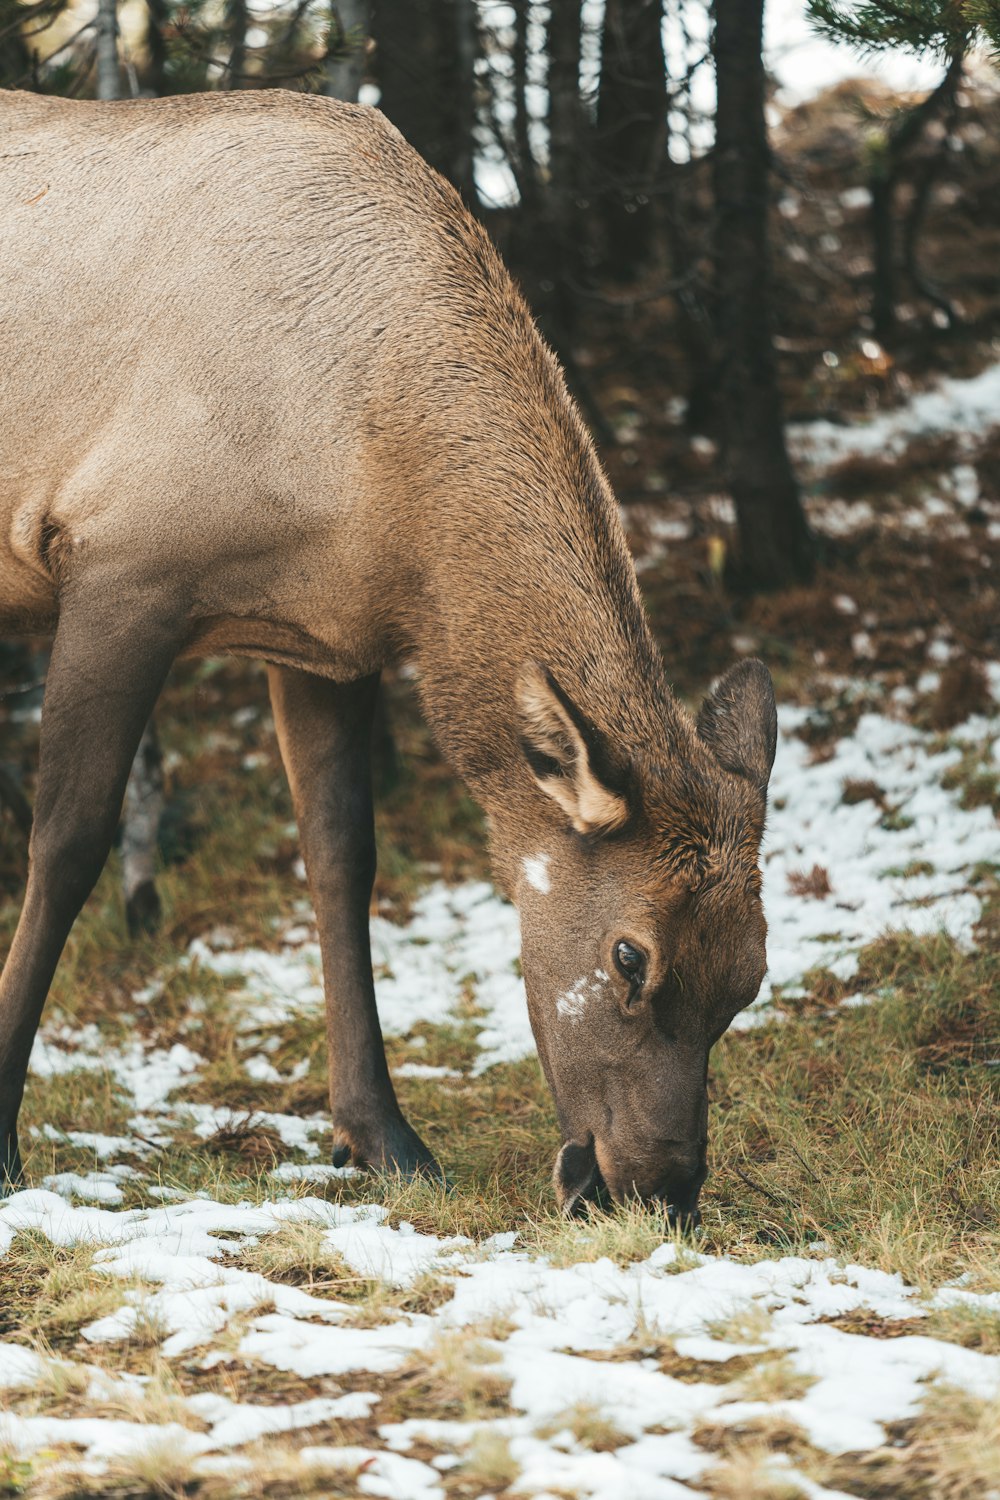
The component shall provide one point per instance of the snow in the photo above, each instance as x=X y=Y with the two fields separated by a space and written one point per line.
x=560 y=1320
x=964 y=406
x=809 y=823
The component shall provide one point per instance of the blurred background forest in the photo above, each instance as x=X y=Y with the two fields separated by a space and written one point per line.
x=725 y=233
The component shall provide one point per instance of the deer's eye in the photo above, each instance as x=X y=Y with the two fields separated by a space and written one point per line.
x=630 y=962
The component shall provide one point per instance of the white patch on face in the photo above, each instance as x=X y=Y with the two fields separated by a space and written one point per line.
x=536 y=873
x=573 y=1003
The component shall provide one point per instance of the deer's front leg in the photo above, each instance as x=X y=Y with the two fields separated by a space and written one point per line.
x=111 y=654
x=324 y=730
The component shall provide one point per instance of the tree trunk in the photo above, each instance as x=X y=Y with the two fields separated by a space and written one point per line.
x=631 y=129
x=775 y=543
x=692 y=299
x=466 y=37
x=887 y=166
x=109 y=80
x=566 y=136
x=350 y=27
x=141 y=813
x=157 y=18
x=425 y=56
x=524 y=160
x=236 y=18
x=882 y=185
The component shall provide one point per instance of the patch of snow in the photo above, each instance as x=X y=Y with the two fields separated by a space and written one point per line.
x=99 y=1187
x=424 y=1070
x=314 y=1171
x=559 y=1319
x=954 y=405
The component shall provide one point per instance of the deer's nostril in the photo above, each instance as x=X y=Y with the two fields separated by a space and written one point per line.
x=684 y=1219
x=681 y=1182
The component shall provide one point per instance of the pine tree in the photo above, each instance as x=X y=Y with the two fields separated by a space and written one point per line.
x=926 y=27
x=948 y=29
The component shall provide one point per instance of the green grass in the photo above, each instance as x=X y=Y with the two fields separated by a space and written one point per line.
x=875 y=1129
x=48 y=1292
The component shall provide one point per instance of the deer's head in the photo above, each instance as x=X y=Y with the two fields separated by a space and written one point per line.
x=638 y=886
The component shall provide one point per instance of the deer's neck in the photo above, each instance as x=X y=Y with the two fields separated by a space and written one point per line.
x=527 y=560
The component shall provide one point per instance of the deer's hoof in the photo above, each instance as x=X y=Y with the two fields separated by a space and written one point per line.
x=11 y=1173
x=391 y=1149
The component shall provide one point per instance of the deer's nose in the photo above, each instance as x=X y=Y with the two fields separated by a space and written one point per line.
x=671 y=1174
x=681 y=1184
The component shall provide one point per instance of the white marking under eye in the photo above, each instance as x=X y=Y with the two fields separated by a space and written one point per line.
x=573 y=1003
x=536 y=873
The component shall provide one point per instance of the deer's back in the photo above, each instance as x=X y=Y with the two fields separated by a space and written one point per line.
x=214 y=308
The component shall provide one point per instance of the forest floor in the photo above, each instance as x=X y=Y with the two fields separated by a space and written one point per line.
x=194 y=1303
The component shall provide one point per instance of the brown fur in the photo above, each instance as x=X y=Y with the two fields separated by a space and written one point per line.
x=266 y=379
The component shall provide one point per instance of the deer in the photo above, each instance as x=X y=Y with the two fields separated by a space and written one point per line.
x=269 y=390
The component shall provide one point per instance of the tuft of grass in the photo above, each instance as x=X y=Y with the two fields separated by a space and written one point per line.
x=156 y=1472
x=966 y=1324
x=49 y=1292
x=297 y=1254
x=814 y=883
x=855 y=791
x=747 y=1324
x=630 y=1233
x=951 y=1451
x=489 y=1464
x=82 y=1099
x=765 y=1435
x=774 y=1380
x=975 y=776
x=963 y=690
x=454 y=1377
x=589 y=1426
x=752 y=1473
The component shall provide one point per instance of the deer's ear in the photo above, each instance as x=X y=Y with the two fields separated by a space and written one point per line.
x=566 y=754
x=739 y=722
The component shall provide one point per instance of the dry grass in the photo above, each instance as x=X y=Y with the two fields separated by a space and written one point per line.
x=774 y=1380
x=814 y=882
x=588 y=1425
x=454 y=1377
x=971 y=1326
x=950 y=1452
x=488 y=1464
x=157 y=1472
x=629 y=1234
x=752 y=1473
x=748 y=1324
x=962 y=691
x=49 y=1292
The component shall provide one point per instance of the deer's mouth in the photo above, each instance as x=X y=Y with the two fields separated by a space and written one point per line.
x=579 y=1183
x=578 y=1180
